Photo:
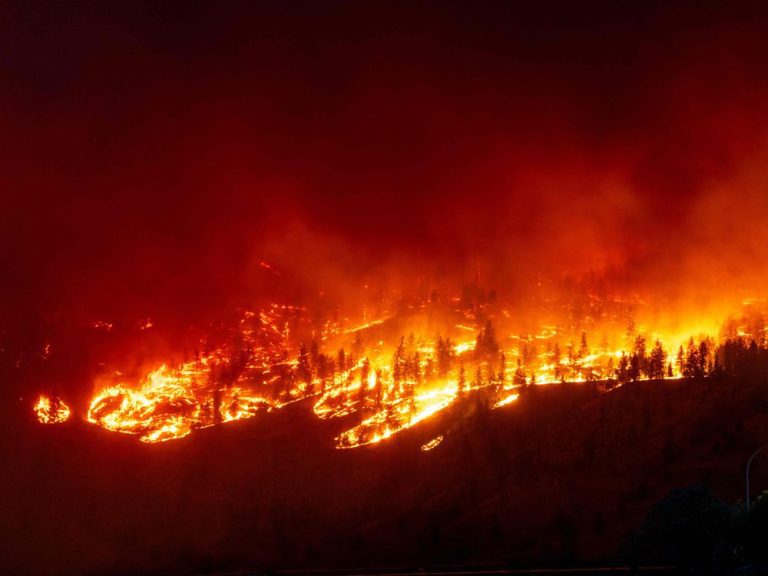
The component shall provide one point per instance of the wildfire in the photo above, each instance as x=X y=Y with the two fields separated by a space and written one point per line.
x=51 y=410
x=171 y=403
x=397 y=414
x=393 y=382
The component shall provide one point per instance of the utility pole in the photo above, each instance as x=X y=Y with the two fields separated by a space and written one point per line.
x=749 y=463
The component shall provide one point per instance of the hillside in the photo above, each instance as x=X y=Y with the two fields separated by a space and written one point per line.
x=558 y=476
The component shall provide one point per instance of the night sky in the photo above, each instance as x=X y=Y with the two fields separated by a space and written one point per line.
x=153 y=155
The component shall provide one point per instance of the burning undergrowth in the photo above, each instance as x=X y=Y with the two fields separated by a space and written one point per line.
x=400 y=362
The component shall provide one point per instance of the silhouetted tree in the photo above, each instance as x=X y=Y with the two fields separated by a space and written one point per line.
x=556 y=358
x=429 y=369
x=705 y=360
x=322 y=369
x=329 y=377
x=365 y=370
x=527 y=353
x=572 y=360
x=304 y=371
x=314 y=355
x=518 y=379
x=341 y=360
x=583 y=347
x=657 y=362
x=378 y=390
x=399 y=364
x=445 y=356
x=639 y=360
x=478 y=380
x=622 y=371
x=414 y=367
x=487 y=346
x=693 y=364
x=217 y=418
x=502 y=370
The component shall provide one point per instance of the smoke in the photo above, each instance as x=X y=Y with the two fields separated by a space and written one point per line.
x=152 y=161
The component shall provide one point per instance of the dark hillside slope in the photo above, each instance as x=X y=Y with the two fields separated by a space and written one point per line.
x=559 y=476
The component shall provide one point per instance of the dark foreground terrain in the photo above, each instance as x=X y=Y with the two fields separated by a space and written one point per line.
x=471 y=571
x=556 y=479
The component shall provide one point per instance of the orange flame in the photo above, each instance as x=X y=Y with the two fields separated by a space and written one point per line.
x=384 y=389
x=51 y=410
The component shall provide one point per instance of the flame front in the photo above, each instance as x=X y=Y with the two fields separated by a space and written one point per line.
x=171 y=403
x=383 y=383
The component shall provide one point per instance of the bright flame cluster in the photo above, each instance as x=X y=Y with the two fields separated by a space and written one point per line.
x=379 y=388
x=51 y=410
x=169 y=405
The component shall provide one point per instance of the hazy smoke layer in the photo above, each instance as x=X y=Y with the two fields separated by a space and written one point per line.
x=152 y=160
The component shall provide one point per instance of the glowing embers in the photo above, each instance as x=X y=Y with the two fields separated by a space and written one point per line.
x=51 y=410
x=432 y=444
x=172 y=403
